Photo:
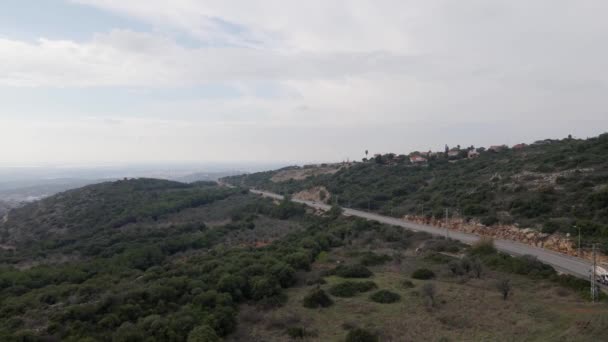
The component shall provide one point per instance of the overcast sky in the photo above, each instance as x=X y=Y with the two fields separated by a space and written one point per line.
x=91 y=81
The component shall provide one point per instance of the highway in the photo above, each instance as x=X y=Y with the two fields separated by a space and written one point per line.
x=563 y=263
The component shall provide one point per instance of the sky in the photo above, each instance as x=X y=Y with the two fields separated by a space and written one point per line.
x=140 y=81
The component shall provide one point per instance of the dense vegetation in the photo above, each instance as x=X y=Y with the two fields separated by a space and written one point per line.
x=165 y=274
x=74 y=216
x=185 y=263
x=555 y=185
x=151 y=277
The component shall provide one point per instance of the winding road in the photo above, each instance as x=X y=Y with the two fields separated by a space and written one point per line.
x=563 y=263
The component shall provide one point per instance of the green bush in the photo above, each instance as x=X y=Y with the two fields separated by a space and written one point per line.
x=351 y=288
x=317 y=298
x=385 y=297
x=296 y=332
x=423 y=274
x=361 y=335
x=407 y=284
x=483 y=246
x=203 y=333
x=373 y=259
x=352 y=271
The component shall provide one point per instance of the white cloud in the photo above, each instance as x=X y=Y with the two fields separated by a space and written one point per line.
x=126 y=58
x=340 y=66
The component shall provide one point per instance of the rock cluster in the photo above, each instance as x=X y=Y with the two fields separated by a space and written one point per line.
x=556 y=242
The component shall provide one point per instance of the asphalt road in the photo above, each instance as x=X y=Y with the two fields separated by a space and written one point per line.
x=561 y=262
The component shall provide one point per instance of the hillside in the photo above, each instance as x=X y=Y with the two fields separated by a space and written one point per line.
x=70 y=219
x=551 y=186
x=154 y=260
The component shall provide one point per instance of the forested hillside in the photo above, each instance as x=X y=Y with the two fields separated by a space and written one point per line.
x=151 y=260
x=553 y=185
x=138 y=259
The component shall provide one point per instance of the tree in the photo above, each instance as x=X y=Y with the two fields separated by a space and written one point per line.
x=285 y=274
x=203 y=333
x=379 y=159
x=504 y=286
x=317 y=298
x=366 y=153
x=264 y=287
x=334 y=212
x=128 y=332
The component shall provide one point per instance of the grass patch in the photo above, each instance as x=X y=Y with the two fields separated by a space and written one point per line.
x=373 y=259
x=351 y=288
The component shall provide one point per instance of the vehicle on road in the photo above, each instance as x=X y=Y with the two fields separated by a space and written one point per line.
x=601 y=274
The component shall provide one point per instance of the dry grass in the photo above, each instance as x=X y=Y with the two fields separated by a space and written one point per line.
x=466 y=309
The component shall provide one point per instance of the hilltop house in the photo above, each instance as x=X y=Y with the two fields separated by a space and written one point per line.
x=416 y=159
x=472 y=154
x=453 y=153
x=519 y=146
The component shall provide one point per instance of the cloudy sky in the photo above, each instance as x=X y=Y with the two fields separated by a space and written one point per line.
x=91 y=81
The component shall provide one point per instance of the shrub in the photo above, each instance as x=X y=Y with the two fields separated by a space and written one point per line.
x=385 y=297
x=352 y=271
x=296 y=332
x=203 y=333
x=476 y=267
x=423 y=274
x=429 y=291
x=504 y=286
x=455 y=267
x=317 y=298
x=407 y=284
x=361 y=335
x=351 y=288
x=373 y=259
x=263 y=287
x=484 y=246
x=316 y=281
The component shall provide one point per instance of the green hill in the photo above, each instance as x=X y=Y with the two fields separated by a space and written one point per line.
x=552 y=185
x=152 y=260
x=71 y=219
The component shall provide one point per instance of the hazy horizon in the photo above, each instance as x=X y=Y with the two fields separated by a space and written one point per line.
x=111 y=82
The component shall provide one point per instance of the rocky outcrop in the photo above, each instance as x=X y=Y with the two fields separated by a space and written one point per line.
x=556 y=242
x=316 y=194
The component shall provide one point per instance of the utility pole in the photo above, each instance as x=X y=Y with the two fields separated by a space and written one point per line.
x=594 y=289
x=579 y=240
x=447 y=232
